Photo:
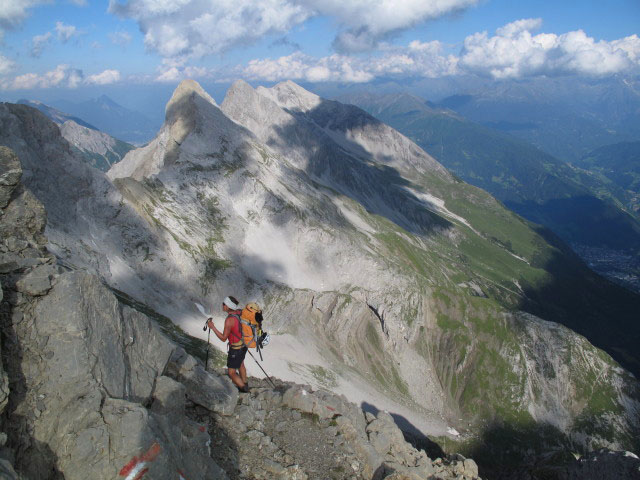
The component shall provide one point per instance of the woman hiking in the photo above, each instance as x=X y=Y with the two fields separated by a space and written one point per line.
x=236 y=348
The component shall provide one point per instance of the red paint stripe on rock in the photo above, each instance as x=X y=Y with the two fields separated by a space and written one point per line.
x=141 y=474
x=152 y=453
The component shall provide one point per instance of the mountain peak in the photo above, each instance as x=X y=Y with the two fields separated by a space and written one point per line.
x=181 y=110
x=185 y=91
x=291 y=96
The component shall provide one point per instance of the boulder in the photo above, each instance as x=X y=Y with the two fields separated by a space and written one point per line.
x=214 y=392
x=168 y=397
x=38 y=281
x=24 y=218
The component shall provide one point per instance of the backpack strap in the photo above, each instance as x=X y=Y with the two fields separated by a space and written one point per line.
x=240 y=343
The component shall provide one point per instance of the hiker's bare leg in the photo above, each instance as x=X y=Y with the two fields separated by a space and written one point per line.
x=243 y=373
x=235 y=378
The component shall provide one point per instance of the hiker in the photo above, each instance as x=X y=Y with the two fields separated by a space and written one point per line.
x=237 y=351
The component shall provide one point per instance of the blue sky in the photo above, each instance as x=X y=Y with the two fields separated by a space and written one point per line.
x=75 y=45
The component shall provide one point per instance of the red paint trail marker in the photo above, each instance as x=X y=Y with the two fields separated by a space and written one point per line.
x=137 y=466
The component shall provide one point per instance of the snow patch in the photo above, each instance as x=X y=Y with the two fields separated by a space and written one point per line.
x=436 y=204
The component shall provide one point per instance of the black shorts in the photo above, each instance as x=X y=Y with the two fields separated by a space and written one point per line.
x=236 y=357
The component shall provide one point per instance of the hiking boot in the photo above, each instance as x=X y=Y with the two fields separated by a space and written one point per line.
x=243 y=389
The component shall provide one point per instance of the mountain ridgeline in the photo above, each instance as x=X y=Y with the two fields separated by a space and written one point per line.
x=565 y=117
x=585 y=210
x=99 y=149
x=383 y=276
x=112 y=118
x=618 y=164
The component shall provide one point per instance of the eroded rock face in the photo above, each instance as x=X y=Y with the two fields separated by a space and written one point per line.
x=88 y=396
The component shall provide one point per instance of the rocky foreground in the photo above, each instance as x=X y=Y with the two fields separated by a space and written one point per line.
x=91 y=388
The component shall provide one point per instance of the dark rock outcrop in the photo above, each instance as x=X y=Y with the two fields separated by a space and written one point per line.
x=605 y=465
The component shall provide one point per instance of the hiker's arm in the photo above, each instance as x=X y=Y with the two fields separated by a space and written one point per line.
x=228 y=323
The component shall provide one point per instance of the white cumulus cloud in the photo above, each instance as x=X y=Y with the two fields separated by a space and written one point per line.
x=65 y=32
x=299 y=66
x=13 y=12
x=104 y=78
x=120 y=38
x=38 y=44
x=194 y=28
x=6 y=65
x=418 y=59
x=61 y=76
x=515 y=51
x=366 y=22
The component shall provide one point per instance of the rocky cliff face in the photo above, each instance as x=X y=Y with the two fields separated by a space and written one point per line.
x=99 y=149
x=92 y=388
x=384 y=278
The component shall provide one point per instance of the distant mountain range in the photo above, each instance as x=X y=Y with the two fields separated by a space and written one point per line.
x=566 y=118
x=581 y=207
x=620 y=164
x=112 y=118
x=98 y=148
x=54 y=114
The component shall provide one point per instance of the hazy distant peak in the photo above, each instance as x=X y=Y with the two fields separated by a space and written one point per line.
x=54 y=114
x=107 y=101
x=24 y=101
x=291 y=96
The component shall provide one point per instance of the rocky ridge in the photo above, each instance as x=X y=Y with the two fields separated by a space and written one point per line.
x=99 y=149
x=92 y=388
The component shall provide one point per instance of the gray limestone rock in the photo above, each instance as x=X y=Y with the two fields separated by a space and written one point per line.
x=4 y=379
x=470 y=468
x=38 y=281
x=24 y=218
x=10 y=173
x=214 y=392
x=168 y=396
x=84 y=404
x=6 y=470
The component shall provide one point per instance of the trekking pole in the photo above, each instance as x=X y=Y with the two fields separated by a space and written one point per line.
x=267 y=375
x=206 y=362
